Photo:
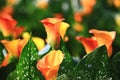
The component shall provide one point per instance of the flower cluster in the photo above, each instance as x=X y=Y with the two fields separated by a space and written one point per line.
x=50 y=63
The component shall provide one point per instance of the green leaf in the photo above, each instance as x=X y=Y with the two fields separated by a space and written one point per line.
x=116 y=66
x=67 y=64
x=94 y=66
x=62 y=77
x=1 y=36
x=26 y=68
x=7 y=70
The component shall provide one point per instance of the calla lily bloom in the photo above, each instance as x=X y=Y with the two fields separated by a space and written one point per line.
x=13 y=51
x=54 y=28
x=49 y=64
x=89 y=43
x=8 y=26
x=16 y=48
x=100 y=38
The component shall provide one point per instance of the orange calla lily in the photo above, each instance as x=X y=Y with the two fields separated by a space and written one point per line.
x=11 y=49
x=104 y=38
x=8 y=26
x=100 y=38
x=49 y=64
x=54 y=28
x=16 y=48
x=88 y=43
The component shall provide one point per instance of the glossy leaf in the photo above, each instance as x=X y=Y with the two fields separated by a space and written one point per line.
x=26 y=68
x=1 y=36
x=67 y=64
x=116 y=66
x=5 y=71
x=94 y=66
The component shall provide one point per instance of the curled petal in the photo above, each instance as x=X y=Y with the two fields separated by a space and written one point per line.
x=89 y=43
x=55 y=28
x=63 y=28
x=11 y=47
x=49 y=64
x=14 y=47
x=39 y=42
x=6 y=60
x=104 y=38
x=51 y=20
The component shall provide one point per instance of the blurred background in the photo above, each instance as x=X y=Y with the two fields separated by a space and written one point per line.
x=82 y=15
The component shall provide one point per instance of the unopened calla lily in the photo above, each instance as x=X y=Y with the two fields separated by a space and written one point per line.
x=49 y=64
x=54 y=28
x=100 y=38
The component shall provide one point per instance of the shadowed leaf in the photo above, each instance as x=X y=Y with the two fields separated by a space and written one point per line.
x=26 y=68
x=94 y=66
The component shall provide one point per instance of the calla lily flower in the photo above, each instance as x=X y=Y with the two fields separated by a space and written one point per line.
x=8 y=26
x=54 y=28
x=13 y=51
x=100 y=38
x=89 y=43
x=16 y=48
x=49 y=64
